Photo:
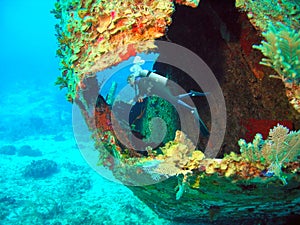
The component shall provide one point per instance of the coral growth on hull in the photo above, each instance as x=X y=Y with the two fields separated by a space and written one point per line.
x=174 y=178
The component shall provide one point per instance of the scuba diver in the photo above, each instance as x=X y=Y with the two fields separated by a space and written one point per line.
x=158 y=84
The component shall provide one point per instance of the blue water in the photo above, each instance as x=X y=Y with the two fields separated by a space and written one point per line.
x=120 y=73
x=44 y=179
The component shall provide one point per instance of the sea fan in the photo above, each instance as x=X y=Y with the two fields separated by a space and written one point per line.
x=282 y=146
x=281 y=49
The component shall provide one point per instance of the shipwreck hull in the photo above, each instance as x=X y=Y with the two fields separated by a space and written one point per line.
x=221 y=200
x=208 y=198
x=246 y=189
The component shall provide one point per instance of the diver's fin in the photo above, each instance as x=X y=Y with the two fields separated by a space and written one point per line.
x=203 y=129
x=193 y=94
x=197 y=94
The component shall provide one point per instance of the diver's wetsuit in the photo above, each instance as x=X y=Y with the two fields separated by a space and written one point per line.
x=149 y=83
x=154 y=85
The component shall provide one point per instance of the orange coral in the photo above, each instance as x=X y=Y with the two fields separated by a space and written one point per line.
x=192 y=3
x=94 y=35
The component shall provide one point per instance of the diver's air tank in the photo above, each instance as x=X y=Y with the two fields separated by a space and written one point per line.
x=156 y=77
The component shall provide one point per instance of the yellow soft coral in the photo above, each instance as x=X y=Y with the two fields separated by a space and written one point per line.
x=180 y=156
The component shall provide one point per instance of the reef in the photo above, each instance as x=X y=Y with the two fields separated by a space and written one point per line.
x=8 y=150
x=40 y=169
x=26 y=150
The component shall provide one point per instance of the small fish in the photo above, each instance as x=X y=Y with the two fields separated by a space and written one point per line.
x=267 y=173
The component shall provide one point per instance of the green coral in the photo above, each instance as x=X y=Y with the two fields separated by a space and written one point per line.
x=156 y=111
x=281 y=147
x=280 y=23
x=282 y=51
x=61 y=82
x=252 y=151
x=69 y=47
x=261 y=13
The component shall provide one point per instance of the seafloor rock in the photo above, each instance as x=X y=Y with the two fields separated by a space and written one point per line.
x=41 y=169
x=8 y=150
x=26 y=150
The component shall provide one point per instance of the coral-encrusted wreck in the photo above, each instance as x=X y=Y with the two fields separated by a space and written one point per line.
x=257 y=184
